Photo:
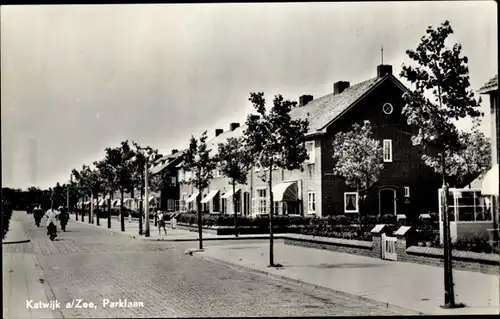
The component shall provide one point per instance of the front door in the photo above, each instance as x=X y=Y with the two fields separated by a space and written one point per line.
x=387 y=199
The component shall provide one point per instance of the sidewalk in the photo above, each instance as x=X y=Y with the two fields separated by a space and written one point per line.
x=21 y=274
x=132 y=230
x=417 y=288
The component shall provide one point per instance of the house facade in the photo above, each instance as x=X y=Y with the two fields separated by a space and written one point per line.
x=170 y=191
x=406 y=185
x=490 y=185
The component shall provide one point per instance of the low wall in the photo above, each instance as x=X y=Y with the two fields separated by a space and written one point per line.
x=241 y=230
x=356 y=247
x=463 y=260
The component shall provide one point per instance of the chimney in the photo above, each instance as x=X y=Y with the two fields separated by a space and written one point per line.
x=383 y=70
x=340 y=86
x=174 y=151
x=218 y=132
x=254 y=117
x=304 y=99
x=233 y=126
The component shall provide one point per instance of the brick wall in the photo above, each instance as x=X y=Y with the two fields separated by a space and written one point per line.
x=462 y=260
x=319 y=244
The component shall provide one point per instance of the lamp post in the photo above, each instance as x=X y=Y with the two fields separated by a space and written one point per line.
x=146 y=194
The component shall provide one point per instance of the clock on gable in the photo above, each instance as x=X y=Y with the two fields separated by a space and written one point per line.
x=387 y=108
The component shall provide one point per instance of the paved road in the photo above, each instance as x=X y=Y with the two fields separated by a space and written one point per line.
x=92 y=265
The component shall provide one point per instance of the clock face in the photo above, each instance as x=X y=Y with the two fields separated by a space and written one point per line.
x=387 y=108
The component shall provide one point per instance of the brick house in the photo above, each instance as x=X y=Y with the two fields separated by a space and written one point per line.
x=406 y=185
x=170 y=192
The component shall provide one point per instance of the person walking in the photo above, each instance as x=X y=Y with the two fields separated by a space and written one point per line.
x=161 y=223
x=173 y=221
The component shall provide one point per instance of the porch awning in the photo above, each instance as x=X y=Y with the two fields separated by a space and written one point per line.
x=116 y=202
x=192 y=197
x=152 y=199
x=229 y=193
x=126 y=200
x=210 y=195
x=490 y=182
x=287 y=191
x=101 y=202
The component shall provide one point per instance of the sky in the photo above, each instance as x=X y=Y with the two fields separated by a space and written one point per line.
x=79 y=78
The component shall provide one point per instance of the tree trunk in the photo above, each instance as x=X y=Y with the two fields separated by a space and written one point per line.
x=198 y=206
x=91 y=208
x=234 y=208
x=449 y=295
x=271 y=211
x=122 y=216
x=109 y=208
x=360 y=219
x=98 y=211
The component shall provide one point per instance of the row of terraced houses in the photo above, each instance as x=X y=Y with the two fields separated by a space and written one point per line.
x=405 y=186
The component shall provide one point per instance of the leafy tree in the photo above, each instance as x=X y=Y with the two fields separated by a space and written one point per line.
x=197 y=160
x=108 y=181
x=358 y=159
x=119 y=160
x=443 y=74
x=142 y=156
x=83 y=179
x=235 y=161
x=471 y=160
x=275 y=141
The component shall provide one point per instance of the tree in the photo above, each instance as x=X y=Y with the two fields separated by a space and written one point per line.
x=234 y=161
x=443 y=74
x=358 y=159
x=142 y=156
x=275 y=141
x=197 y=160
x=470 y=161
x=83 y=179
x=108 y=180
x=119 y=160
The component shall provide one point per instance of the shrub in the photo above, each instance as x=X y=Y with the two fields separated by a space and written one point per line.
x=477 y=245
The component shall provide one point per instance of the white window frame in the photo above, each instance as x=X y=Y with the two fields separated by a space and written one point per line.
x=261 y=202
x=170 y=205
x=356 y=202
x=173 y=180
x=311 y=202
x=387 y=145
x=407 y=191
x=312 y=153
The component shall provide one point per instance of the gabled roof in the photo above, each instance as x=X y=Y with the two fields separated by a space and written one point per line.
x=491 y=85
x=320 y=112
x=167 y=161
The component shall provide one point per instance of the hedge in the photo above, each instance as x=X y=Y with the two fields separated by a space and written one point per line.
x=6 y=215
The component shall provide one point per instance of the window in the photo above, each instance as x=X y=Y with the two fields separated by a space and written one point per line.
x=170 y=205
x=311 y=202
x=215 y=204
x=173 y=180
x=311 y=152
x=224 y=206
x=278 y=208
x=261 y=195
x=351 y=202
x=407 y=191
x=387 y=146
x=182 y=175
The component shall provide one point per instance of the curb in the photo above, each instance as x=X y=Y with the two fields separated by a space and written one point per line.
x=16 y=242
x=305 y=284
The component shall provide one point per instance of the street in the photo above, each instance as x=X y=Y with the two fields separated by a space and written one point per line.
x=136 y=278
